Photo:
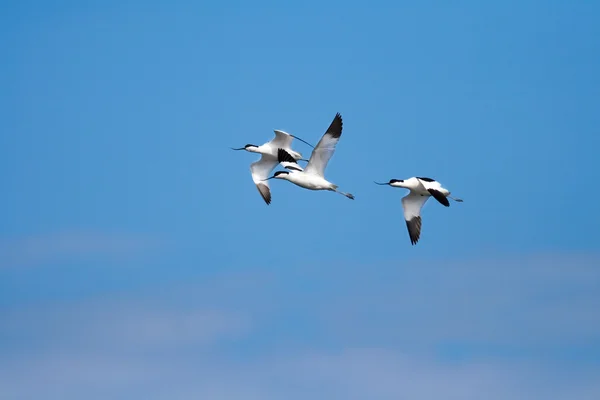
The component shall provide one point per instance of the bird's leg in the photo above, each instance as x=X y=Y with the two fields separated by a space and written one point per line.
x=348 y=195
x=456 y=199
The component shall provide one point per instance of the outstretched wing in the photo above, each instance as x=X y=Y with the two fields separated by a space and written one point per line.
x=287 y=161
x=260 y=171
x=325 y=148
x=282 y=139
x=412 y=205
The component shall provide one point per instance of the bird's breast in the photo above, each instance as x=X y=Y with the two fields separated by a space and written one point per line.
x=309 y=181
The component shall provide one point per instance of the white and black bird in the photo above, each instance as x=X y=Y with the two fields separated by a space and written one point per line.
x=421 y=189
x=261 y=169
x=312 y=177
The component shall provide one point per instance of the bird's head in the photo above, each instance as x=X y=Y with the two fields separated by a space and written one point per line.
x=279 y=175
x=249 y=147
x=393 y=182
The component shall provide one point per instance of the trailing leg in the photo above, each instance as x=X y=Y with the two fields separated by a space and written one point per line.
x=348 y=195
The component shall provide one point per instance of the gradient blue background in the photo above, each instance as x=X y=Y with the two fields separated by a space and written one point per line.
x=123 y=207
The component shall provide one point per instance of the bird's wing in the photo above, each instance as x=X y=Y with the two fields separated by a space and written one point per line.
x=412 y=204
x=282 y=139
x=439 y=196
x=287 y=161
x=433 y=186
x=325 y=148
x=260 y=170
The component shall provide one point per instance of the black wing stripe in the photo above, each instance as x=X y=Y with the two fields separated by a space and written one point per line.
x=284 y=156
x=426 y=179
x=439 y=197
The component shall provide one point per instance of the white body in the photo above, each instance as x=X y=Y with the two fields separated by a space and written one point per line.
x=281 y=140
x=309 y=181
x=419 y=186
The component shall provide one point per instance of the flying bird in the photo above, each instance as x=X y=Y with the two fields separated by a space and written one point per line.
x=261 y=169
x=421 y=189
x=313 y=176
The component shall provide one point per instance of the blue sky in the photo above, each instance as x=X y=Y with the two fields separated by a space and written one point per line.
x=137 y=258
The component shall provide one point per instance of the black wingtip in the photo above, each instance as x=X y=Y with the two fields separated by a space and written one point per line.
x=265 y=192
x=284 y=156
x=336 y=126
x=414 y=230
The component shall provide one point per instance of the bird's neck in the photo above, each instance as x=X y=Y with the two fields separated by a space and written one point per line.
x=253 y=149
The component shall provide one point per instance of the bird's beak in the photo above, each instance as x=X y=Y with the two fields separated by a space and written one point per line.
x=241 y=148
x=269 y=178
x=387 y=183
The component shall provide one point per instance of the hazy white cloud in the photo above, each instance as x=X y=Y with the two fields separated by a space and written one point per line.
x=258 y=336
x=354 y=373
x=72 y=246
x=128 y=326
x=540 y=301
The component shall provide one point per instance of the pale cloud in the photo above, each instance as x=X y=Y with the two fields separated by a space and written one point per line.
x=354 y=373
x=123 y=324
x=73 y=246
x=541 y=301
x=256 y=335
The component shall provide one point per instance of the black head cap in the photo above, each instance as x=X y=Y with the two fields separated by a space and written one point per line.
x=396 y=180
x=250 y=145
x=280 y=173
